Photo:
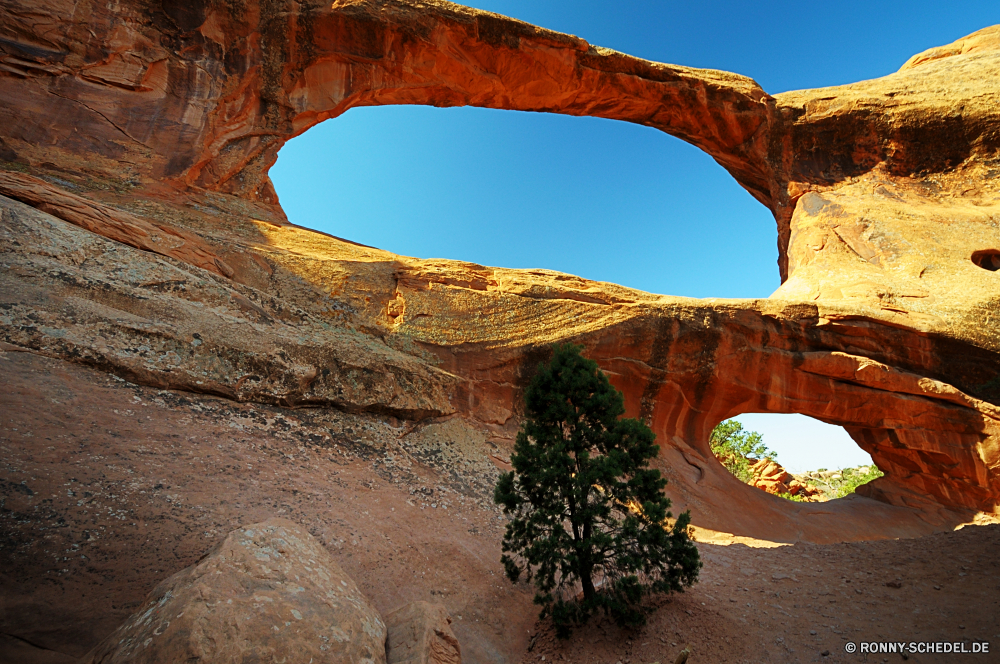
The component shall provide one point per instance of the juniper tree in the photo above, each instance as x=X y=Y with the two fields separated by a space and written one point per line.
x=585 y=510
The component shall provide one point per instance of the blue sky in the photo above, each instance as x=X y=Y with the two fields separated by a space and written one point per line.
x=597 y=198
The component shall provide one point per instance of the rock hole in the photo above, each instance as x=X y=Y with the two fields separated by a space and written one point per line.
x=988 y=259
x=792 y=456
x=600 y=199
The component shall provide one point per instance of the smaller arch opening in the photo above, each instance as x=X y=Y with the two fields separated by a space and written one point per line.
x=792 y=456
x=988 y=259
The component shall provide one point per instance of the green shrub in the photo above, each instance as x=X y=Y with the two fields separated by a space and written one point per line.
x=738 y=449
x=584 y=506
x=853 y=478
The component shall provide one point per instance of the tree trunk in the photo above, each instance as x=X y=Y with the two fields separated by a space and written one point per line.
x=588 y=585
x=587 y=566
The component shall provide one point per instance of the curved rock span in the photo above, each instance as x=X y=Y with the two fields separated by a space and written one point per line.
x=154 y=125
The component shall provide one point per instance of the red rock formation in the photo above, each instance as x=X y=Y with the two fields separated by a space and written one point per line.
x=207 y=94
x=884 y=193
x=770 y=476
x=140 y=235
x=113 y=224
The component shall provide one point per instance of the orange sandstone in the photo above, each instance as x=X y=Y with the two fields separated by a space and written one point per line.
x=164 y=123
x=141 y=236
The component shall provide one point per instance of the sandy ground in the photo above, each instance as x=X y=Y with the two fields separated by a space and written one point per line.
x=106 y=488
x=795 y=603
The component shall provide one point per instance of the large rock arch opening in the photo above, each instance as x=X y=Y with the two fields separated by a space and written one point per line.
x=141 y=239
x=603 y=200
x=804 y=443
x=793 y=456
x=883 y=193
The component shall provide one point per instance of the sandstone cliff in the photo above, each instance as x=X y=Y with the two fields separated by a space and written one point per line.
x=885 y=195
x=141 y=236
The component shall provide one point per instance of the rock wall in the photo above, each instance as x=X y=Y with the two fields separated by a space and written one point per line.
x=154 y=126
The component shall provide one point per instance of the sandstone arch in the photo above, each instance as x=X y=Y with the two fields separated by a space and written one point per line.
x=883 y=191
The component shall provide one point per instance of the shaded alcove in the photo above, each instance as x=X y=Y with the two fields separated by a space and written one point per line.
x=602 y=199
x=988 y=259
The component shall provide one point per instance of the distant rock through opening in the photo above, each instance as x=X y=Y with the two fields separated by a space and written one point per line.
x=792 y=456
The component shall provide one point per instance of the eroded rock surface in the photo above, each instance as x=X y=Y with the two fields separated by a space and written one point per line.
x=100 y=506
x=134 y=484
x=885 y=195
x=268 y=592
x=140 y=235
x=420 y=633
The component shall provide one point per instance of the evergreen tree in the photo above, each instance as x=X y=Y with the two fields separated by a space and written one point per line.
x=585 y=510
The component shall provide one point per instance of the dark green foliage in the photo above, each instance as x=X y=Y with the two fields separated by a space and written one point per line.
x=852 y=478
x=584 y=507
x=738 y=448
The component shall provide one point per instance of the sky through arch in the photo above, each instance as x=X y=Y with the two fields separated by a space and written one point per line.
x=601 y=199
x=597 y=198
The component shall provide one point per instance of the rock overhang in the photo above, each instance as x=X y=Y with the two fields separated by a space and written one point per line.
x=884 y=192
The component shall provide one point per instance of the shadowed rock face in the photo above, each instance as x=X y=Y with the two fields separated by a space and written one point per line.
x=267 y=592
x=420 y=633
x=164 y=121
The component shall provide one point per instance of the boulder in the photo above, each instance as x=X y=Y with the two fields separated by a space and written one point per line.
x=419 y=633
x=770 y=476
x=771 y=486
x=807 y=492
x=268 y=592
x=771 y=471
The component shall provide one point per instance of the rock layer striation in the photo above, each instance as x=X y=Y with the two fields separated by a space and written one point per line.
x=154 y=126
